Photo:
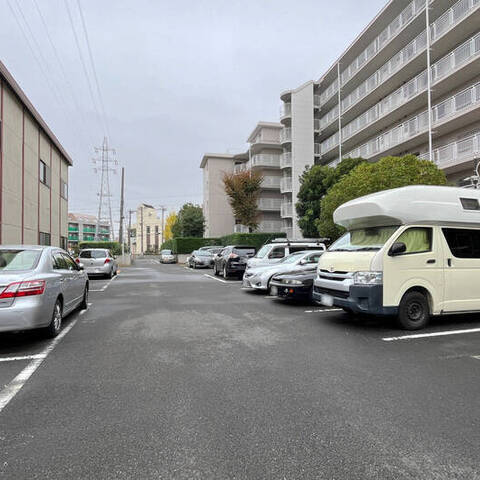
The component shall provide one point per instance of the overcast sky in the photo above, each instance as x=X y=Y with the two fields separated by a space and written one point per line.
x=178 y=78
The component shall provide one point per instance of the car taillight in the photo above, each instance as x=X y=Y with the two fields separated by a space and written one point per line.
x=77 y=260
x=23 y=289
x=233 y=255
x=107 y=260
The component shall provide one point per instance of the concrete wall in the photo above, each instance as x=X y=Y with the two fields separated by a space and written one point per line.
x=27 y=206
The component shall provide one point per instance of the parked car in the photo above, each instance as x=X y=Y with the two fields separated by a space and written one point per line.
x=280 y=248
x=232 y=260
x=259 y=278
x=201 y=259
x=39 y=286
x=295 y=284
x=98 y=262
x=167 y=256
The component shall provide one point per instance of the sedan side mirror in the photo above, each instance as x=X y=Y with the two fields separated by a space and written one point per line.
x=397 y=249
x=302 y=262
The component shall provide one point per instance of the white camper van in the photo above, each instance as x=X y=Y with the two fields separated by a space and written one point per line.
x=411 y=252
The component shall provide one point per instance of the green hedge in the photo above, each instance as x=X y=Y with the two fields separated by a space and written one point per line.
x=114 y=247
x=182 y=245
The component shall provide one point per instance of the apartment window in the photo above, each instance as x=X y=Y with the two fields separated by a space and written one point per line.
x=148 y=230
x=63 y=242
x=44 y=238
x=64 y=190
x=44 y=173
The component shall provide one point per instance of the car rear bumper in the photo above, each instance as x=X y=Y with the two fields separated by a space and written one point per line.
x=25 y=314
x=104 y=270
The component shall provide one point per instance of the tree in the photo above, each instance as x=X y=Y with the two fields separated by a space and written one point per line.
x=243 y=190
x=169 y=222
x=314 y=184
x=388 y=172
x=190 y=222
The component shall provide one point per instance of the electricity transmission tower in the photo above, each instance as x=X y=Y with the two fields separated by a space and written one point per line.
x=106 y=161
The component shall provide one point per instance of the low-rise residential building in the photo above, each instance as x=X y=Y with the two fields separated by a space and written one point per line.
x=33 y=172
x=83 y=228
x=148 y=230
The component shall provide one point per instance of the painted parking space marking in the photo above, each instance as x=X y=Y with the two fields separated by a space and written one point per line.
x=23 y=357
x=102 y=289
x=12 y=388
x=215 y=278
x=433 y=334
x=320 y=310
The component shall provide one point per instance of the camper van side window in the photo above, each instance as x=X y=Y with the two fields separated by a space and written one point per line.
x=417 y=240
x=463 y=243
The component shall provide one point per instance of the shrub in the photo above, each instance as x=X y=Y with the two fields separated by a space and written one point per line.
x=254 y=239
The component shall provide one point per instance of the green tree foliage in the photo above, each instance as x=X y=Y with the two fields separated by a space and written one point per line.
x=387 y=173
x=314 y=184
x=243 y=190
x=190 y=222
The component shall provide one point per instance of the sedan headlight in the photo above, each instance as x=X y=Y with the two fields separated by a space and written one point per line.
x=368 y=278
x=292 y=282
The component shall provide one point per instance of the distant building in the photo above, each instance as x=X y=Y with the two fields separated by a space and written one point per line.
x=82 y=228
x=146 y=233
x=33 y=172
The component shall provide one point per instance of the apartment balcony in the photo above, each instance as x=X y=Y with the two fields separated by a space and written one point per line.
x=269 y=204
x=455 y=155
x=316 y=125
x=270 y=226
x=460 y=109
x=89 y=238
x=286 y=135
x=286 y=210
x=334 y=163
x=73 y=228
x=317 y=149
x=286 y=185
x=262 y=140
x=286 y=160
x=266 y=160
x=330 y=91
x=73 y=237
x=88 y=229
x=316 y=101
x=238 y=228
x=286 y=111
x=240 y=167
x=271 y=183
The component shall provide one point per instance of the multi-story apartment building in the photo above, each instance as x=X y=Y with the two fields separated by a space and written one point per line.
x=373 y=101
x=83 y=227
x=263 y=155
x=33 y=172
x=147 y=232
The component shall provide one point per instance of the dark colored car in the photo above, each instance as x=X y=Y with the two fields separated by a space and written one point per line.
x=201 y=259
x=294 y=285
x=232 y=260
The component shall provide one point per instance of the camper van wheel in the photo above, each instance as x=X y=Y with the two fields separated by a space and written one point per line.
x=413 y=313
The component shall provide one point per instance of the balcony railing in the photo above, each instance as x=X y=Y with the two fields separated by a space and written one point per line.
x=329 y=117
x=72 y=229
x=240 y=167
x=286 y=135
x=449 y=108
x=271 y=226
x=89 y=238
x=316 y=124
x=271 y=204
x=329 y=92
x=452 y=16
x=264 y=138
x=286 y=185
x=88 y=229
x=238 y=228
x=467 y=148
x=316 y=149
x=443 y=67
x=72 y=236
x=271 y=182
x=316 y=101
x=287 y=209
x=286 y=160
x=286 y=110
x=265 y=160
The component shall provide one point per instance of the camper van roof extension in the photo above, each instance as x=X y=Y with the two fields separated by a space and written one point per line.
x=413 y=204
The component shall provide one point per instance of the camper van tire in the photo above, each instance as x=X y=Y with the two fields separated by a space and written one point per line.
x=414 y=312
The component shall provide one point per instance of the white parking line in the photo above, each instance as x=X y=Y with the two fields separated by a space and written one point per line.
x=23 y=357
x=215 y=278
x=105 y=286
x=7 y=394
x=324 y=310
x=433 y=334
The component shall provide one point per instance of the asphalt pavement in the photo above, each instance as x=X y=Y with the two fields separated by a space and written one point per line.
x=176 y=374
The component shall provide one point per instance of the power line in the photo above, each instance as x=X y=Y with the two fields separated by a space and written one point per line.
x=84 y=67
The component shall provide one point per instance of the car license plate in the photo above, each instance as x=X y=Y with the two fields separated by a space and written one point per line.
x=273 y=290
x=326 y=300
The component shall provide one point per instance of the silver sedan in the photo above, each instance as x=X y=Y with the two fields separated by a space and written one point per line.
x=39 y=286
x=259 y=277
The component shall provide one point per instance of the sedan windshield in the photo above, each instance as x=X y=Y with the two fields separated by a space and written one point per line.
x=292 y=258
x=17 y=260
x=204 y=253
x=166 y=252
x=364 y=239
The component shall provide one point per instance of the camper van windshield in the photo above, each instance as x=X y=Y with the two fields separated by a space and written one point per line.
x=364 y=239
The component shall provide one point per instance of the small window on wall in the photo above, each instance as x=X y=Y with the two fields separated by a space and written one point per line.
x=44 y=239
x=64 y=190
x=63 y=242
x=44 y=174
x=416 y=239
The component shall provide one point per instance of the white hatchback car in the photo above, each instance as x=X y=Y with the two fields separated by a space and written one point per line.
x=98 y=262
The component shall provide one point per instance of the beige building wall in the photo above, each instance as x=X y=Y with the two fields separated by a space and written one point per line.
x=27 y=206
x=152 y=237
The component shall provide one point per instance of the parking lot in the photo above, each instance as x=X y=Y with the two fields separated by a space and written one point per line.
x=176 y=373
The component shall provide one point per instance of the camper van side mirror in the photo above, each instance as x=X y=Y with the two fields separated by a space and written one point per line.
x=397 y=249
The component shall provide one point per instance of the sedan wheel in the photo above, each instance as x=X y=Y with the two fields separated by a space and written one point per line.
x=225 y=273
x=56 y=324
x=84 y=304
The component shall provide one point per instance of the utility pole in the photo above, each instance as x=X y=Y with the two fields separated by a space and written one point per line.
x=104 y=205
x=122 y=215
x=163 y=209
